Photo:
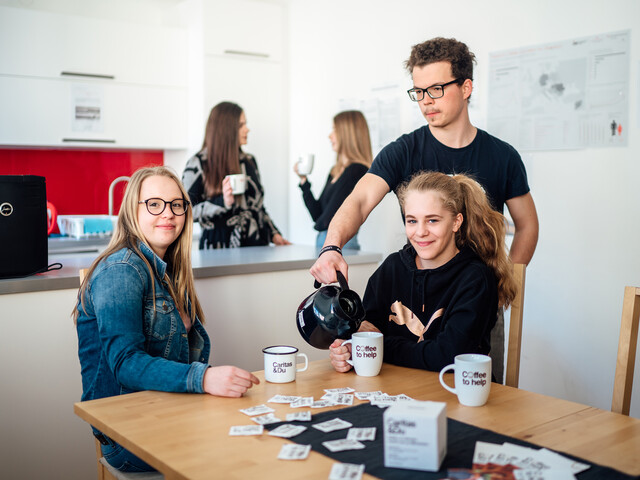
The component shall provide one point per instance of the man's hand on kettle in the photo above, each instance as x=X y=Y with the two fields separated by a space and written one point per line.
x=324 y=270
x=227 y=193
x=339 y=354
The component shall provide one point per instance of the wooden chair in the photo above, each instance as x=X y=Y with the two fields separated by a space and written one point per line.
x=623 y=380
x=106 y=471
x=515 y=329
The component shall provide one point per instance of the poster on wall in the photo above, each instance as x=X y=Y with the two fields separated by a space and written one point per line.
x=563 y=95
x=87 y=113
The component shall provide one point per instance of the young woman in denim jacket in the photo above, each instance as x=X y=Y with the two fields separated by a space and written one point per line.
x=138 y=318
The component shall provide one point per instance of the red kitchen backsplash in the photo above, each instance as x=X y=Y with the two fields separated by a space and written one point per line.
x=78 y=180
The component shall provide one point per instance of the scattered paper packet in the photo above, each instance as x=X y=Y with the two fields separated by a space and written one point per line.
x=294 y=451
x=346 y=471
x=257 y=410
x=239 y=430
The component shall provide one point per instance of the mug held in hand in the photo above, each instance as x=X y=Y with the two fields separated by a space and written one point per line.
x=305 y=164
x=472 y=378
x=238 y=183
x=366 y=353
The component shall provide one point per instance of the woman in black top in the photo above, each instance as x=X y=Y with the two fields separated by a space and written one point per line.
x=228 y=220
x=350 y=140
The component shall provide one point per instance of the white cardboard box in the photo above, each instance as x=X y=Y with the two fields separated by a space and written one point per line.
x=415 y=435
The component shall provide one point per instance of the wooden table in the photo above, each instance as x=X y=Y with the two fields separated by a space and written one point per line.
x=186 y=436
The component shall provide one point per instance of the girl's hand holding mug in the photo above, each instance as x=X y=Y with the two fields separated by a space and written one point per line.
x=339 y=355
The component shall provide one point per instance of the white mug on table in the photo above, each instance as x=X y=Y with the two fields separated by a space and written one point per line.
x=472 y=378
x=280 y=363
x=366 y=353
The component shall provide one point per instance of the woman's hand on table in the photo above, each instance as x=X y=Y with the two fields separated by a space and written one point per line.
x=228 y=381
x=227 y=193
x=280 y=240
x=339 y=354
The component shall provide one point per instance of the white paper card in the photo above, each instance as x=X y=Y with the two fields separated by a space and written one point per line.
x=299 y=416
x=331 y=425
x=293 y=451
x=343 y=444
x=266 y=419
x=257 y=410
x=362 y=434
x=346 y=471
x=287 y=431
x=246 y=430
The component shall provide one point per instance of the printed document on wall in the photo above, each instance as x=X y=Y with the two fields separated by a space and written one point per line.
x=562 y=95
x=87 y=112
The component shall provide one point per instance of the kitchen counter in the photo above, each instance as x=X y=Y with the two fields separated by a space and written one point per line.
x=206 y=263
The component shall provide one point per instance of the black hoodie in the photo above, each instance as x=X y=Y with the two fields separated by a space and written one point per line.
x=461 y=298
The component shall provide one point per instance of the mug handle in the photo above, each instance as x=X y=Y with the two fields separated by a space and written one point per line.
x=350 y=362
x=306 y=362
x=442 y=372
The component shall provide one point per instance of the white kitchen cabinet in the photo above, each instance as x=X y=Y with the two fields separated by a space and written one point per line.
x=244 y=28
x=50 y=45
x=41 y=112
x=136 y=74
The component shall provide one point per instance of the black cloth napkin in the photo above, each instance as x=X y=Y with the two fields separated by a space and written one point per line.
x=461 y=441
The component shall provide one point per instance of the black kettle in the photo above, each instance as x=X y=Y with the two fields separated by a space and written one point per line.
x=328 y=313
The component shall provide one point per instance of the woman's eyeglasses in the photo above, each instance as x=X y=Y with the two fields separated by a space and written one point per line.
x=155 y=206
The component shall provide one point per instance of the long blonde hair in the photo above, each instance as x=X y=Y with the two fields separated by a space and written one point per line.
x=483 y=229
x=179 y=274
x=354 y=142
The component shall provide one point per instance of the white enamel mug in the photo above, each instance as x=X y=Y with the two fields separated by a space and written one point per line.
x=280 y=365
x=472 y=378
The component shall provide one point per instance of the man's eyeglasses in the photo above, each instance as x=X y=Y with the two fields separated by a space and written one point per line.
x=155 y=206
x=434 y=91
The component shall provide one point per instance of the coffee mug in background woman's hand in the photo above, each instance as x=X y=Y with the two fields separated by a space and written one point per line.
x=227 y=192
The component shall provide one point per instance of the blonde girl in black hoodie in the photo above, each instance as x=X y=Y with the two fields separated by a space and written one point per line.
x=438 y=296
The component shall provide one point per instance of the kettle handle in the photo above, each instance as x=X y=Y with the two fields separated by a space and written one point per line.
x=341 y=280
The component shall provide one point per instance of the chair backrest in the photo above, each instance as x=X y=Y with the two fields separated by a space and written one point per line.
x=515 y=328
x=623 y=380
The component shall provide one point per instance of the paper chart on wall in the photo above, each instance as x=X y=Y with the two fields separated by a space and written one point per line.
x=87 y=113
x=563 y=95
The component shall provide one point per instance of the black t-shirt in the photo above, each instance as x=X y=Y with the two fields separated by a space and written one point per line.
x=324 y=208
x=495 y=164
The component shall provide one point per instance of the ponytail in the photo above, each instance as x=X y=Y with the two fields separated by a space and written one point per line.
x=483 y=229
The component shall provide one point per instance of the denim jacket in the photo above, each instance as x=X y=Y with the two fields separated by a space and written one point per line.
x=126 y=345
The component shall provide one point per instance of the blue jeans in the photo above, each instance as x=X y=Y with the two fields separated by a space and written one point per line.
x=124 y=460
x=351 y=244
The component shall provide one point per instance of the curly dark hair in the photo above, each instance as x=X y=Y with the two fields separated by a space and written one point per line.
x=441 y=49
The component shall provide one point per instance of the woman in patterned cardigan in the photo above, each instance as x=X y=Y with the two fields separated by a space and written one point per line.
x=228 y=220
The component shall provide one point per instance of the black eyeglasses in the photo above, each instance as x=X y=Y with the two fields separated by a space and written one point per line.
x=434 y=91
x=155 y=206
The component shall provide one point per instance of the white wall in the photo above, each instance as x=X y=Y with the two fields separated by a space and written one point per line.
x=587 y=199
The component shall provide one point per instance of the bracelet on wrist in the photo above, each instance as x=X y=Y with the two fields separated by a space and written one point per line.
x=330 y=248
